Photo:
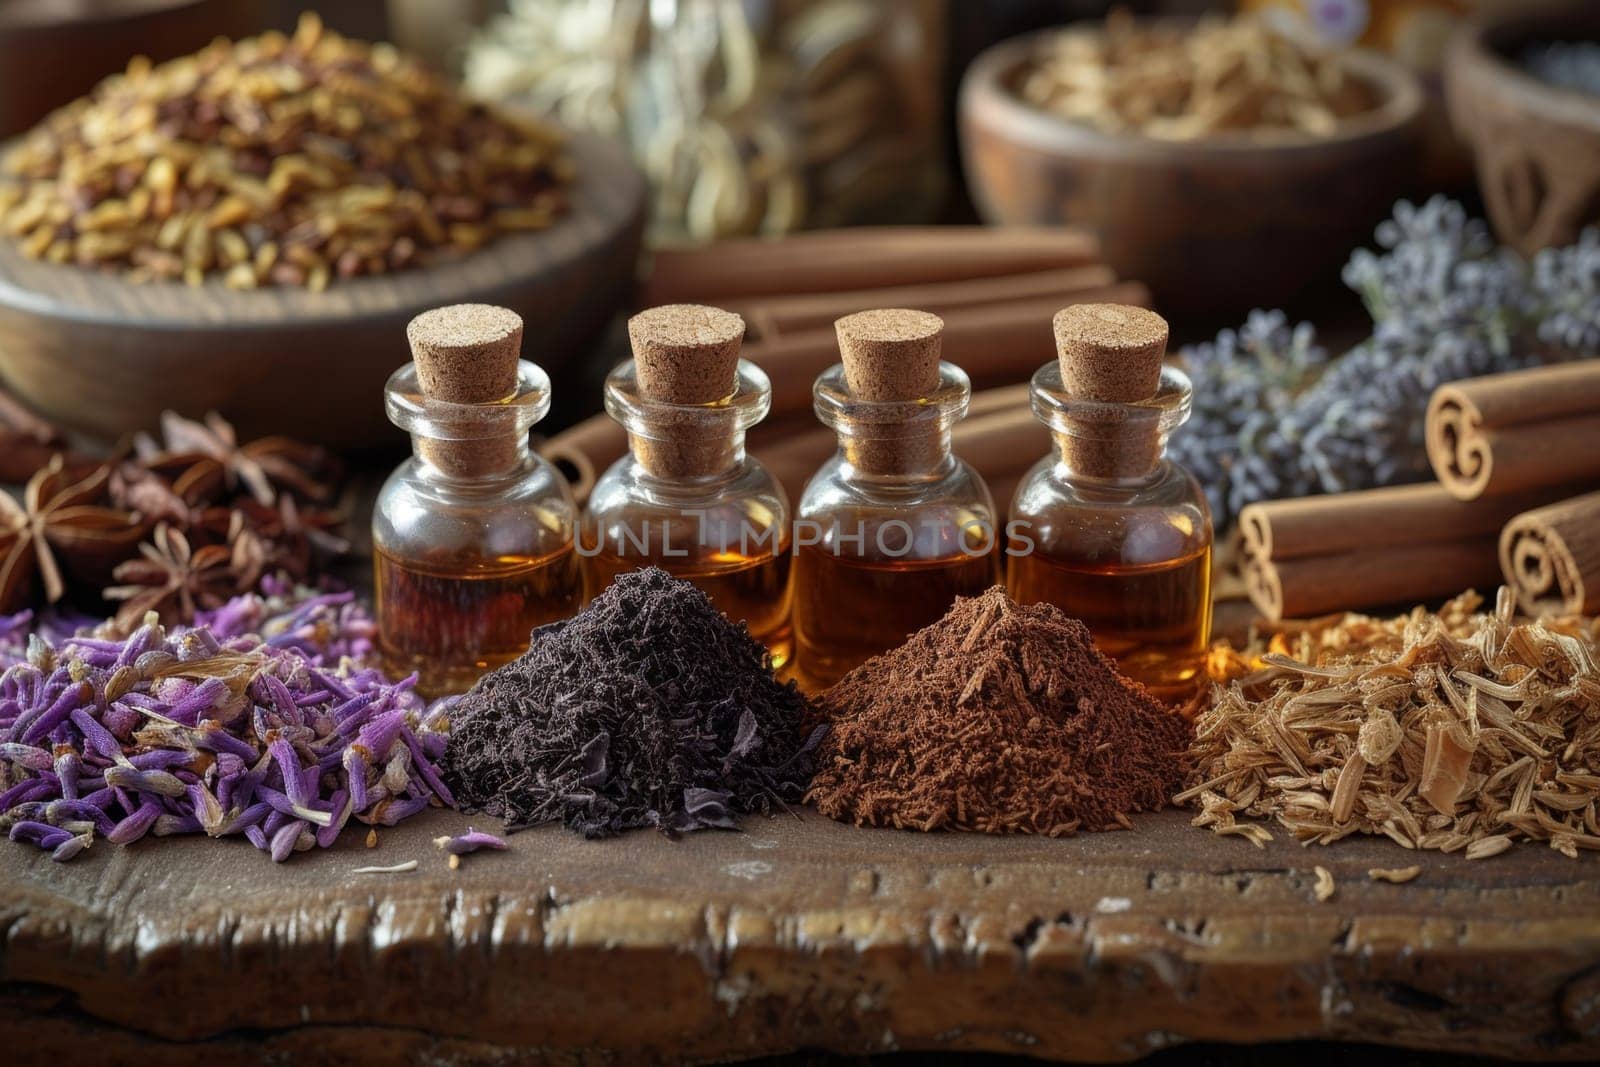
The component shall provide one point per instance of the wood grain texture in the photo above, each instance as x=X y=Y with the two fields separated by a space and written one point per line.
x=1214 y=226
x=792 y=934
x=105 y=356
x=1537 y=147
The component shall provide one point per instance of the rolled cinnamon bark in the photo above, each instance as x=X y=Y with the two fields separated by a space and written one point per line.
x=1402 y=544
x=1551 y=557
x=776 y=316
x=860 y=258
x=1509 y=432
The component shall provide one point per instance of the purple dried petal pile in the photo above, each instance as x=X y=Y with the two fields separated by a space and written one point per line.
x=261 y=721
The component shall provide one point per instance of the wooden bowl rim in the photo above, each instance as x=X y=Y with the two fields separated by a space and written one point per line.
x=57 y=291
x=1473 y=52
x=986 y=96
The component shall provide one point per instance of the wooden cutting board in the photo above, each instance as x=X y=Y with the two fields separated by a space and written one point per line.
x=792 y=934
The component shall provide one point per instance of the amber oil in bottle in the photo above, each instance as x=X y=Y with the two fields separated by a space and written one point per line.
x=894 y=527
x=1107 y=528
x=688 y=498
x=473 y=536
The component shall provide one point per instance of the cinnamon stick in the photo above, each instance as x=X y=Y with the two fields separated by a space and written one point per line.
x=1551 y=557
x=775 y=316
x=860 y=258
x=1402 y=544
x=1521 y=430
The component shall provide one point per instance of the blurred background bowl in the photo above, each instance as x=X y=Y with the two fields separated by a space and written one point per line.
x=1537 y=146
x=105 y=356
x=1214 y=226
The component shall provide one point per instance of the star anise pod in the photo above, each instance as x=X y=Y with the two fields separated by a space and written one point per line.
x=293 y=538
x=209 y=450
x=62 y=530
x=173 y=580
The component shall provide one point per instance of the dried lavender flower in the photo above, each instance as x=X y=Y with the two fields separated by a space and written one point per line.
x=1274 y=418
x=467 y=843
x=262 y=720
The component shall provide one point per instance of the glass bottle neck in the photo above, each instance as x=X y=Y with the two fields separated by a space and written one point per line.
x=1134 y=463
x=888 y=440
x=921 y=453
x=689 y=455
x=485 y=460
x=688 y=442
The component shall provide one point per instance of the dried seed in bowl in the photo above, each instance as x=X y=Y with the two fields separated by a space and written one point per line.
x=220 y=159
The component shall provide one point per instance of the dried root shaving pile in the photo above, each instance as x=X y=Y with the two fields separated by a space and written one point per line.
x=1178 y=83
x=1458 y=732
x=276 y=160
x=1000 y=719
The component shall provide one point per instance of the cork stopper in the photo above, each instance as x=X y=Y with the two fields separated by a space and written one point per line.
x=1110 y=356
x=1110 y=351
x=685 y=355
x=891 y=354
x=467 y=354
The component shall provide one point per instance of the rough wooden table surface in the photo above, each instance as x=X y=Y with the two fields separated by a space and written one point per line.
x=792 y=934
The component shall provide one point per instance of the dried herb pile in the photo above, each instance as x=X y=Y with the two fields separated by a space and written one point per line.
x=1275 y=417
x=260 y=722
x=650 y=708
x=277 y=161
x=179 y=525
x=1181 y=83
x=1461 y=731
x=999 y=719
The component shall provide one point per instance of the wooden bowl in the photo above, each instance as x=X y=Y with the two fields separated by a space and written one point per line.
x=1537 y=147
x=54 y=51
x=1215 y=227
x=106 y=356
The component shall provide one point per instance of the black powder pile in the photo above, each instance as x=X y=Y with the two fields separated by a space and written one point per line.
x=650 y=708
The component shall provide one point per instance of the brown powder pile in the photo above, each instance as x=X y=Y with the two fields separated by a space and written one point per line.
x=1000 y=719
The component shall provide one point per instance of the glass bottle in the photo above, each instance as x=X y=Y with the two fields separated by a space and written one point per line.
x=473 y=535
x=687 y=497
x=1107 y=528
x=893 y=527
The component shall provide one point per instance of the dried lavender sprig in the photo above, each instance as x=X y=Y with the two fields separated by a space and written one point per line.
x=467 y=843
x=1273 y=418
x=214 y=728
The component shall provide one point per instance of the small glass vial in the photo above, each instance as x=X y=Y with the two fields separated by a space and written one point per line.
x=473 y=535
x=894 y=527
x=687 y=498
x=1107 y=528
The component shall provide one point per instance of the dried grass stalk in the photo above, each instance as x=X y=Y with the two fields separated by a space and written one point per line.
x=1458 y=731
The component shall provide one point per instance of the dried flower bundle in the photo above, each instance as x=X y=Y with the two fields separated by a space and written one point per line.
x=1180 y=82
x=277 y=161
x=1461 y=731
x=260 y=722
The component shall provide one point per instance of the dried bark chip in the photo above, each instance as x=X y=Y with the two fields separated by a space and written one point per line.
x=891 y=353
